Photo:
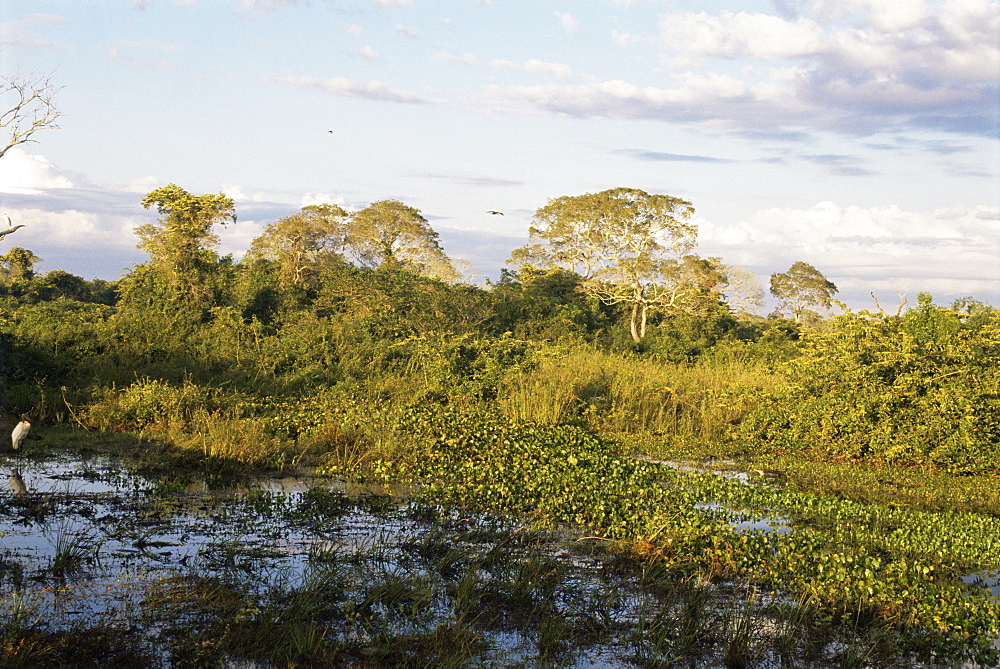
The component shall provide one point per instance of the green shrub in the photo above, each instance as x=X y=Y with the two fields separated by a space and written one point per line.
x=921 y=389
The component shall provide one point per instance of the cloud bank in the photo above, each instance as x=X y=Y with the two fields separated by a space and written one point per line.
x=858 y=67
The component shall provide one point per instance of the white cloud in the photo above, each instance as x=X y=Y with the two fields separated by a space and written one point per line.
x=948 y=252
x=237 y=193
x=321 y=198
x=568 y=23
x=368 y=90
x=259 y=8
x=22 y=172
x=757 y=36
x=47 y=231
x=557 y=70
x=19 y=33
x=408 y=31
x=368 y=53
x=144 y=184
x=392 y=3
x=621 y=38
x=137 y=61
x=355 y=30
x=446 y=57
x=840 y=69
x=886 y=15
x=535 y=66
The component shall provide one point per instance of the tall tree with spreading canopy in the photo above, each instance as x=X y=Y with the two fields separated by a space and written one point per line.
x=180 y=244
x=629 y=246
x=303 y=244
x=801 y=287
x=391 y=234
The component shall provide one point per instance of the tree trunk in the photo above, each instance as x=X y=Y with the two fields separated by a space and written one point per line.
x=638 y=321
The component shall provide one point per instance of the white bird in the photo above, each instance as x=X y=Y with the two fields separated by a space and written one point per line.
x=19 y=433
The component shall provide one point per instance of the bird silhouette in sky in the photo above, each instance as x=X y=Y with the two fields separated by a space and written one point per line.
x=495 y=213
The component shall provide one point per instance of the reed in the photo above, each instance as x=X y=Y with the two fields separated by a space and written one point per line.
x=228 y=437
x=624 y=394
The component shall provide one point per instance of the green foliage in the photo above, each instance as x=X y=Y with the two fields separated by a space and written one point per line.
x=149 y=404
x=916 y=390
x=17 y=265
x=801 y=287
x=546 y=304
x=52 y=340
x=180 y=243
x=630 y=248
x=391 y=234
x=628 y=395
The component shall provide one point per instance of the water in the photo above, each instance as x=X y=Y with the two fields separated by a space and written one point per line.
x=85 y=540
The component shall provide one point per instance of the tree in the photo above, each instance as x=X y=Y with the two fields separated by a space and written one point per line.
x=30 y=106
x=18 y=264
x=742 y=289
x=390 y=234
x=180 y=244
x=801 y=287
x=629 y=246
x=303 y=244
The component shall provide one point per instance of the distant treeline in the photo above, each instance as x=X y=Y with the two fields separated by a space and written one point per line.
x=621 y=334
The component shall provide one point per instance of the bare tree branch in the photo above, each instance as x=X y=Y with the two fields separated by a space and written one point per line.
x=30 y=106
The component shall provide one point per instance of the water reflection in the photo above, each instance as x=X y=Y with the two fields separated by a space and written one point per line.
x=988 y=580
x=86 y=539
x=17 y=483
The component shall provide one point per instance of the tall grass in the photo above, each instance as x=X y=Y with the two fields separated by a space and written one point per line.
x=229 y=436
x=615 y=393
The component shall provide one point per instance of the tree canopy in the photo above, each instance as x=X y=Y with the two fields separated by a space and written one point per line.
x=629 y=246
x=801 y=287
x=391 y=234
x=18 y=264
x=303 y=244
x=178 y=242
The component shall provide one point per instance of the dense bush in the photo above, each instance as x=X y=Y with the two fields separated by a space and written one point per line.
x=921 y=389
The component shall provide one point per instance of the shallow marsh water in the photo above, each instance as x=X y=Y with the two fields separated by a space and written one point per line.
x=86 y=542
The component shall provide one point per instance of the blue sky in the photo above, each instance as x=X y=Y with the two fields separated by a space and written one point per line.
x=857 y=135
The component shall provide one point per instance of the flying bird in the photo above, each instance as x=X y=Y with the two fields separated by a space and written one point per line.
x=495 y=213
x=20 y=433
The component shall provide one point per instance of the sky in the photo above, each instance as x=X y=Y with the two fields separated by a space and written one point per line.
x=859 y=136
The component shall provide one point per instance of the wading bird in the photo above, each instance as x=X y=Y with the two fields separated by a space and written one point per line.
x=20 y=433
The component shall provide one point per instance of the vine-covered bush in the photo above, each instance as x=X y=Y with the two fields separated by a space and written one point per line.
x=149 y=403
x=922 y=389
